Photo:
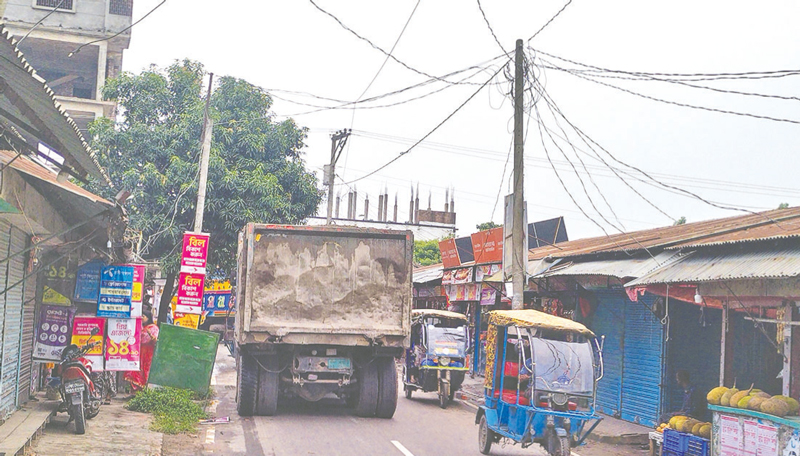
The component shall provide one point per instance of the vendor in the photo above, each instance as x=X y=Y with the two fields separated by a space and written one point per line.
x=694 y=401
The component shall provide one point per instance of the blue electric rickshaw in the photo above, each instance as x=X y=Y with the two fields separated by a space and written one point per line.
x=541 y=377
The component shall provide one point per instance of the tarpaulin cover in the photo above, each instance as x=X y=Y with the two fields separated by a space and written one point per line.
x=524 y=318
x=418 y=313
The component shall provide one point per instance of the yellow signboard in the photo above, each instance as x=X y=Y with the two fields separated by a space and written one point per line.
x=51 y=296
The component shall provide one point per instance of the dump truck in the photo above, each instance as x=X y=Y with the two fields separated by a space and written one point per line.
x=322 y=310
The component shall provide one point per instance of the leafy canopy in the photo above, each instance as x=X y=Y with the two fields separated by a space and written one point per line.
x=256 y=171
x=427 y=252
x=487 y=226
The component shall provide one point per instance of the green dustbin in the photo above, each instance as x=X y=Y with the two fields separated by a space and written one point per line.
x=184 y=358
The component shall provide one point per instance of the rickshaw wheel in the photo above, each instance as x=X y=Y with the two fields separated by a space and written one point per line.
x=485 y=436
x=442 y=400
x=408 y=391
x=556 y=445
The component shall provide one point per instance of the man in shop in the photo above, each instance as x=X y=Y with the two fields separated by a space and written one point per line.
x=694 y=400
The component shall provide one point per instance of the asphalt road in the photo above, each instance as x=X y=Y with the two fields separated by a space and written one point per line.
x=418 y=428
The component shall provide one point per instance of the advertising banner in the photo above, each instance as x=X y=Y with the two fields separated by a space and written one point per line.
x=194 y=255
x=488 y=295
x=81 y=335
x=487 y=246
x=122 y=344
x=217 y=302
x=116 y=290
x=51 y=296
x=87 y=281
x=187 y=320
x=449 y=252
x=137 y=292
x=190 y=293
x=52 y=332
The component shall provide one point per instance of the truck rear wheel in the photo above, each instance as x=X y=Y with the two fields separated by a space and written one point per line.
x=368 y=387
x=246 y=384
x=268 y=385
x=387 y=393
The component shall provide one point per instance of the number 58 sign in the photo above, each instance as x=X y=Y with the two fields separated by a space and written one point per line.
x=122 y=344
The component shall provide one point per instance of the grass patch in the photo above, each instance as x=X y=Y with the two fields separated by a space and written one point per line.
x=174 y=409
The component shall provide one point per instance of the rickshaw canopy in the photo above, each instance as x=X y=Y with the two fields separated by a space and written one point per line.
x=421 y=313
x=530 y=318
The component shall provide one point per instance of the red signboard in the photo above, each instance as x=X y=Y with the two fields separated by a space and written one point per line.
x=487 y=246
x=194 y=255
x=190 y=293
x=449 y=252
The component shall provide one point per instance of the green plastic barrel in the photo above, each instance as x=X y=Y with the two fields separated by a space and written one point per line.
x=184 y=358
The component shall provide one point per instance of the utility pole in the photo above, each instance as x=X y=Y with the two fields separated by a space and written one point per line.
x=338 y=140
x=208 y=129
x=519 y=243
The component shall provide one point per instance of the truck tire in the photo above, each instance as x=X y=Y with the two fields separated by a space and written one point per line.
x=268 y=384
x=246 y=384
x=387 y=387
x=368 y=390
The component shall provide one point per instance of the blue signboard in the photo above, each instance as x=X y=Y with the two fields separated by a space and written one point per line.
x=116 y=289
x=87 y=281
x=217 y=302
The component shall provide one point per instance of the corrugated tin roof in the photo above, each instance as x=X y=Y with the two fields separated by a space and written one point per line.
x=775 y=224
x=628 y=267
x=773 y=263
x=427 y=274
x=61 y=132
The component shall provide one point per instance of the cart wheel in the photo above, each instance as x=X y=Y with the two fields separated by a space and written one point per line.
x=485 y=436
x=558 y=446
x=407 y=389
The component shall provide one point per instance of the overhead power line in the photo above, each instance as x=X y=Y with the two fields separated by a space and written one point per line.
x=550 y=21
x=491 y=30
x=78 y=49
x=433 y=130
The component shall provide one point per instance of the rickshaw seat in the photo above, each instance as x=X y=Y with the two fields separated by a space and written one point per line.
x=510 y=397
x=511 y=369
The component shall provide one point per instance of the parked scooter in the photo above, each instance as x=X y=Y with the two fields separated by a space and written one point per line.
x=78 y=394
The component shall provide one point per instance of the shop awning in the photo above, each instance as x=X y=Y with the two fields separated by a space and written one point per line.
x=535 y=269
x=427 y=274
x=696 y=267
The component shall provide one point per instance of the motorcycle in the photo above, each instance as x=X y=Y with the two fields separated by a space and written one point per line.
x=79 y=397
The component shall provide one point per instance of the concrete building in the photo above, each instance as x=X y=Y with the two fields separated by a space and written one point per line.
x=76 y=76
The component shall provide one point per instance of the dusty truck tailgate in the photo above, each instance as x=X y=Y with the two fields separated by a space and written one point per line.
x=327 y=280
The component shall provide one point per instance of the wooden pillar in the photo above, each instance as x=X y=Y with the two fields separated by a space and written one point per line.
x=726 y=348
x=794 y=356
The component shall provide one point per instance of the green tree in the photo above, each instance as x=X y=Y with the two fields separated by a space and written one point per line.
x=783 y=206
x=427 y=252
x=256 y=170
x=487 y=226
x=680 y=221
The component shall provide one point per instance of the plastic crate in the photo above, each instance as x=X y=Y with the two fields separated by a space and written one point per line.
x=675 y=443
x=697 y=446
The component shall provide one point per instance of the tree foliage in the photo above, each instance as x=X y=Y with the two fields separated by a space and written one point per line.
x=680 y=221
x=487 y=226
x=256 y=170
x=427 y=253
x=783 y=206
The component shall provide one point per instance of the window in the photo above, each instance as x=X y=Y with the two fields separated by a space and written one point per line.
x=66 y=5
x=121 y=7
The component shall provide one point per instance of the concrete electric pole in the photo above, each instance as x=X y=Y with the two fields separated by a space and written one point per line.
x=519 y=243
x=338 y=140
x=208 y=130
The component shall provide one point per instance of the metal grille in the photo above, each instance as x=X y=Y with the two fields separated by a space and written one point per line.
x=121 y=7
x=65 y=4
x=11 y=308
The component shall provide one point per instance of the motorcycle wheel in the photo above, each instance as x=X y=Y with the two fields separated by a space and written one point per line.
x=80 y=419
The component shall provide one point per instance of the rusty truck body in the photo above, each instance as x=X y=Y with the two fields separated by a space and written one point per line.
x=321 y=310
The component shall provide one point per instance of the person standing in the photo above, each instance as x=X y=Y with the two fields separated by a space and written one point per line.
x=138 y=379
x=694 y=400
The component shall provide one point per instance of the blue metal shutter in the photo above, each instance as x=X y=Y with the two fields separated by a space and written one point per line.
x=643 y=363
x=694 y=347
x=609 y=321
x=25 y=388
x=11 y=302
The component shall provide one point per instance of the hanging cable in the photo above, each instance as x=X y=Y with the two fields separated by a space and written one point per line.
x=78 y=49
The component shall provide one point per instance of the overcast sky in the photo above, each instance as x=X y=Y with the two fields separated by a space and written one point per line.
x=732 y=159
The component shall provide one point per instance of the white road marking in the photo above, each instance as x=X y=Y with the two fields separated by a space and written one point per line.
x=210 y=436
x=402 y=449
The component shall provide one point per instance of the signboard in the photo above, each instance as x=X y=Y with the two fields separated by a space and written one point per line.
x=217 y=302
x=52 y=332
x=485 y=271
x=137 y=292
x=122 y=344
x=116 y=289
x=457 y=276
x=81 y=335
x=449 y=252
x=190 y=293
x=87 y=281
x=488 y=295
x=186 y=320
x=51 y=296
x=487 y=246
x=767 y=440
x=194 y=255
